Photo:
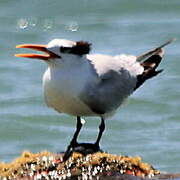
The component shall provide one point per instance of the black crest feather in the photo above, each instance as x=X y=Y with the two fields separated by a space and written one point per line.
x=80 y=48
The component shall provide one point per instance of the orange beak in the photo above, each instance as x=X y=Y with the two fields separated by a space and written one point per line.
x=42 y=48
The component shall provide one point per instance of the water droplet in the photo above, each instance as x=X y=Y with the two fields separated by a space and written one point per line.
x=72 y=26
x=83 y=121
x=22 y=23
x=47 y=24
x=33 y=22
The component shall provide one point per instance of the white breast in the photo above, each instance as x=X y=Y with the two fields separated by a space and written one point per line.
x=62 y=88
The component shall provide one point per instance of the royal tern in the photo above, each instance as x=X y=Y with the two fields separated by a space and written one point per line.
x=83 y=84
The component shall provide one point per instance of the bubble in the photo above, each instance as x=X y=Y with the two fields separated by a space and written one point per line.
x=72 y=26
x=22 y=23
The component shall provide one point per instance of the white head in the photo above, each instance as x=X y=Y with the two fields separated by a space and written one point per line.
x=58 y=51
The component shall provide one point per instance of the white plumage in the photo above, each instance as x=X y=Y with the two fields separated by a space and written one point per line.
x=72 y=81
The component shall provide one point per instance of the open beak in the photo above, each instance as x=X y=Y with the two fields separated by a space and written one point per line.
x=42 y=48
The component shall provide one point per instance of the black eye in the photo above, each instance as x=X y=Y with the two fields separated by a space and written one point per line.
x=65 y=49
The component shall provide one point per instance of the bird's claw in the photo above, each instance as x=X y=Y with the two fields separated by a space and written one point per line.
x=83 y=148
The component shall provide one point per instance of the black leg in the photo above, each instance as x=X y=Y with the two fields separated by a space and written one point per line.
x=73 y=142
x=101 y=130
x=84 y=148
x=78 y=128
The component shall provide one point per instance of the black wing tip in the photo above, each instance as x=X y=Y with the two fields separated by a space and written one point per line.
x=150 y=71
x=159 y=71
x=155 y=50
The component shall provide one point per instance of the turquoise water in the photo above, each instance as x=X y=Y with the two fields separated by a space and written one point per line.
x=148 y=124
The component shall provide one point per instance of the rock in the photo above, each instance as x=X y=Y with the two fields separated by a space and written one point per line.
x=102 y=166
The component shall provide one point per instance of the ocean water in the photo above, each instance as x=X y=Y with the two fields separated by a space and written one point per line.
x=147 y=125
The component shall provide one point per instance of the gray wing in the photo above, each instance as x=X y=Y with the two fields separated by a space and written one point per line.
x=117 y=79
x=114 y=85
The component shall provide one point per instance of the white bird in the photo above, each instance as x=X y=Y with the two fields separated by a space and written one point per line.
x=83 y=84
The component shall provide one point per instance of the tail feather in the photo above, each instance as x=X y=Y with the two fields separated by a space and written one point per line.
x=154 y=58
x=150 y=66
x=153 y=51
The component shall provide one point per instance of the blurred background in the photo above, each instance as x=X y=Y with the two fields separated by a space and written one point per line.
x=148 y=124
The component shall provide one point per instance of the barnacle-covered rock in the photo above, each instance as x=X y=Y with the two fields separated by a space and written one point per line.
x=46 y=165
